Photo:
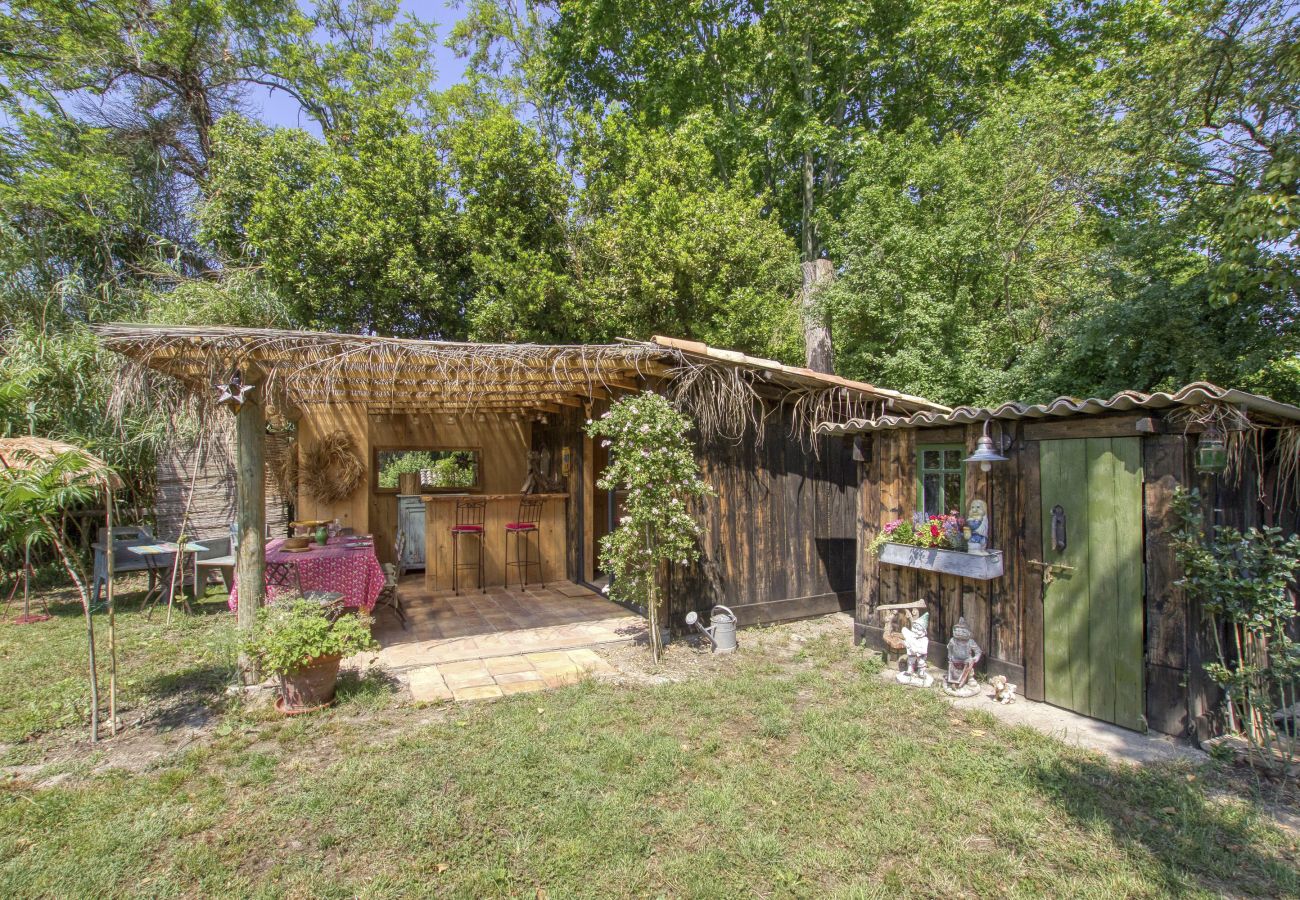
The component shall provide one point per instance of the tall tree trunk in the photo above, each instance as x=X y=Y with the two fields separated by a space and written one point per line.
x=818 y=355
x=250 y=556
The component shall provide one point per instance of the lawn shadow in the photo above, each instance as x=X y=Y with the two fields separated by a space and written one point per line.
x=1158 y=811
x=373 y=688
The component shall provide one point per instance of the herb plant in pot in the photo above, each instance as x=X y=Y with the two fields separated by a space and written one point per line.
x=302 y=642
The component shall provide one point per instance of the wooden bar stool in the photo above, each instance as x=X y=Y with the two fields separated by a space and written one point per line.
x=470 y=518
x=526 y=523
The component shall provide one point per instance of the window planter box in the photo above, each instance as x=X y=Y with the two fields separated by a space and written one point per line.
x=950 y=562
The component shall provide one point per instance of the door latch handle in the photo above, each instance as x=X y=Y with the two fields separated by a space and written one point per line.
x=1050 y=570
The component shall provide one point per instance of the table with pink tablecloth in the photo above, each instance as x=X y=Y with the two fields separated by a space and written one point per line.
x=353 y=572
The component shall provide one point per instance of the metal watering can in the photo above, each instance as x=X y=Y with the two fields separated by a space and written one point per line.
x=722 y=633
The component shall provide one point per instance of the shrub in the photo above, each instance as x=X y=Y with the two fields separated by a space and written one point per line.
x=290 y=635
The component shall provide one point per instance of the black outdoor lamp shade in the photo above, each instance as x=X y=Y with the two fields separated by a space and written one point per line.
x=985 y=454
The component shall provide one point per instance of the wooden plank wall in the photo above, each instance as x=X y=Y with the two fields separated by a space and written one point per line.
x=210 y=466
x=504 y=442
x=780 y=536
x=994 y=610
x=1007 y=614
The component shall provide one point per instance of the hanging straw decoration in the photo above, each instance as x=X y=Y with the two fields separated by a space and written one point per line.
x=331 y=468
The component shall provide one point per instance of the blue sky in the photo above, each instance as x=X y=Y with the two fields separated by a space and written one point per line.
x=278 y=108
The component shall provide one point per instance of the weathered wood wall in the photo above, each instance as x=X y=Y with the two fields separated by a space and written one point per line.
x=1006 y=614
x=780 y=536
x=210 y=464
x=994 y=610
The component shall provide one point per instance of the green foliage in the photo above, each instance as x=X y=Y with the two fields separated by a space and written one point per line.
x=454 y=469
x=288 y=635
x=33 y=499
x=358 y=235
x=1244 y=580
x=669 y=248
x=653 y=462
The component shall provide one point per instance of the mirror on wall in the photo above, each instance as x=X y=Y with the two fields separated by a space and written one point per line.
x=455 y=469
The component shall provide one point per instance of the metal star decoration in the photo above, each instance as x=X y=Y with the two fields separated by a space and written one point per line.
x=232 y=393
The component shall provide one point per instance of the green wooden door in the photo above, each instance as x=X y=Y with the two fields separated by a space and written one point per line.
x=1092 y=611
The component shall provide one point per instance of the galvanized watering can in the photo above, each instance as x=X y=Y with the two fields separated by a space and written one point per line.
x=722 y=633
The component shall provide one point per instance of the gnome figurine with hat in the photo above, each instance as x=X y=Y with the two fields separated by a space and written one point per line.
x=917 y=644
x=963 y=655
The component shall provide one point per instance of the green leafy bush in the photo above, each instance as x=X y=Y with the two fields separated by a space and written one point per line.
x=290 y=635
x=1242 y=580
x=454 y=469
x=651 y=458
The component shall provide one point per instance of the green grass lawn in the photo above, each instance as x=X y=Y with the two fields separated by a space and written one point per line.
x=794 y=773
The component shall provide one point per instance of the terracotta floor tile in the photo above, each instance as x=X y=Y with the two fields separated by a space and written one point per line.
x=427 y=685
x=560 y=679
x=517 y=677
x=505 y=665
x=523 y=687
x=477 y=692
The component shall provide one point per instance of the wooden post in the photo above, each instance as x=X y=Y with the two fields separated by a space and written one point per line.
x=250 y=483
x=112 y=617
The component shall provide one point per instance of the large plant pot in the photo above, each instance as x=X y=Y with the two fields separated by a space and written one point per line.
x=310 y=687
x=950 y=562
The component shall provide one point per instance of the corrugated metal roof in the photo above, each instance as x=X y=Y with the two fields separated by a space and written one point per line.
x=1192 y=395
x=796 y=374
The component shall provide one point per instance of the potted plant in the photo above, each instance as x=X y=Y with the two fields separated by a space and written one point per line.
x=933 y=543
x=303 y=642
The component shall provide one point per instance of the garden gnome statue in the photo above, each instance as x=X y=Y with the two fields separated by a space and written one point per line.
x=963 y=654
x=917 y=644
x=977 y=528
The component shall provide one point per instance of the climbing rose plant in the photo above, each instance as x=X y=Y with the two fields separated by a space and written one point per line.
x=651 y=458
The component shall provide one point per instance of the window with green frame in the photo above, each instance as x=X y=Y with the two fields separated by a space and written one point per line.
x=940 y=479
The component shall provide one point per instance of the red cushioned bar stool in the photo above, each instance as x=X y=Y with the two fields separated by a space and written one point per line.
x=517 y=533
x=470 y=517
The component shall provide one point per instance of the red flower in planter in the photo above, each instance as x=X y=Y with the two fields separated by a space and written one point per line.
x=934 y=531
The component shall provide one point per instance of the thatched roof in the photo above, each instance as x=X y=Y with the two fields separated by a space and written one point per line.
x=303 y=368
x=23 y=453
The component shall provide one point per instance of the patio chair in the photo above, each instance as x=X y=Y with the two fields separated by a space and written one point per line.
x=388 y=596
x=220 y=555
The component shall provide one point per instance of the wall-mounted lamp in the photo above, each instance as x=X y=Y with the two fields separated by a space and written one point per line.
x=1211 y=452
x=985 y=453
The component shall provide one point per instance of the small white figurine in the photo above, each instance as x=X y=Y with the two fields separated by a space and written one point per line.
x=917 y=644
x=977 y=528
x=1003 y=690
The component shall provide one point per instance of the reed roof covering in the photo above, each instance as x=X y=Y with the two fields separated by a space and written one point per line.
x=23 y=453
x=299 y=369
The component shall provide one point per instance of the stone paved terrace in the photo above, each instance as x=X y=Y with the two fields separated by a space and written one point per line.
x=478 y=645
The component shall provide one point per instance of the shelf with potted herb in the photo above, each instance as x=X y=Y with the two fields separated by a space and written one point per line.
x=935 y=543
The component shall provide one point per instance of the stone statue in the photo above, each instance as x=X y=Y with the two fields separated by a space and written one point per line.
x=977 y=528
x=963 y=655
x=917 y=644
x=1003 y=690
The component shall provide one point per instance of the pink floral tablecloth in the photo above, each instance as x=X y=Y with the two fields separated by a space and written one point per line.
x=353 y=572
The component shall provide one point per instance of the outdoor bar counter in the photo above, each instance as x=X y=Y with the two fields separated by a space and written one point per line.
x=440 y=516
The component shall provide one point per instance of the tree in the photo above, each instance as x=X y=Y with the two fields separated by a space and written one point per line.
x=35 y=494
x=357 y=234
x=651 y=459
x=667 y=247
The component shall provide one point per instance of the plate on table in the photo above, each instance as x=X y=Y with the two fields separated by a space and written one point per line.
x=296 y=549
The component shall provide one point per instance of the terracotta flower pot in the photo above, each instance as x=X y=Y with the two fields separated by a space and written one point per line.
x=309 y=687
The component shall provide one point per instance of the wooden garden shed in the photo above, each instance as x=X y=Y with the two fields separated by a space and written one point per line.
x=1083 y=609
x=780 y=535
